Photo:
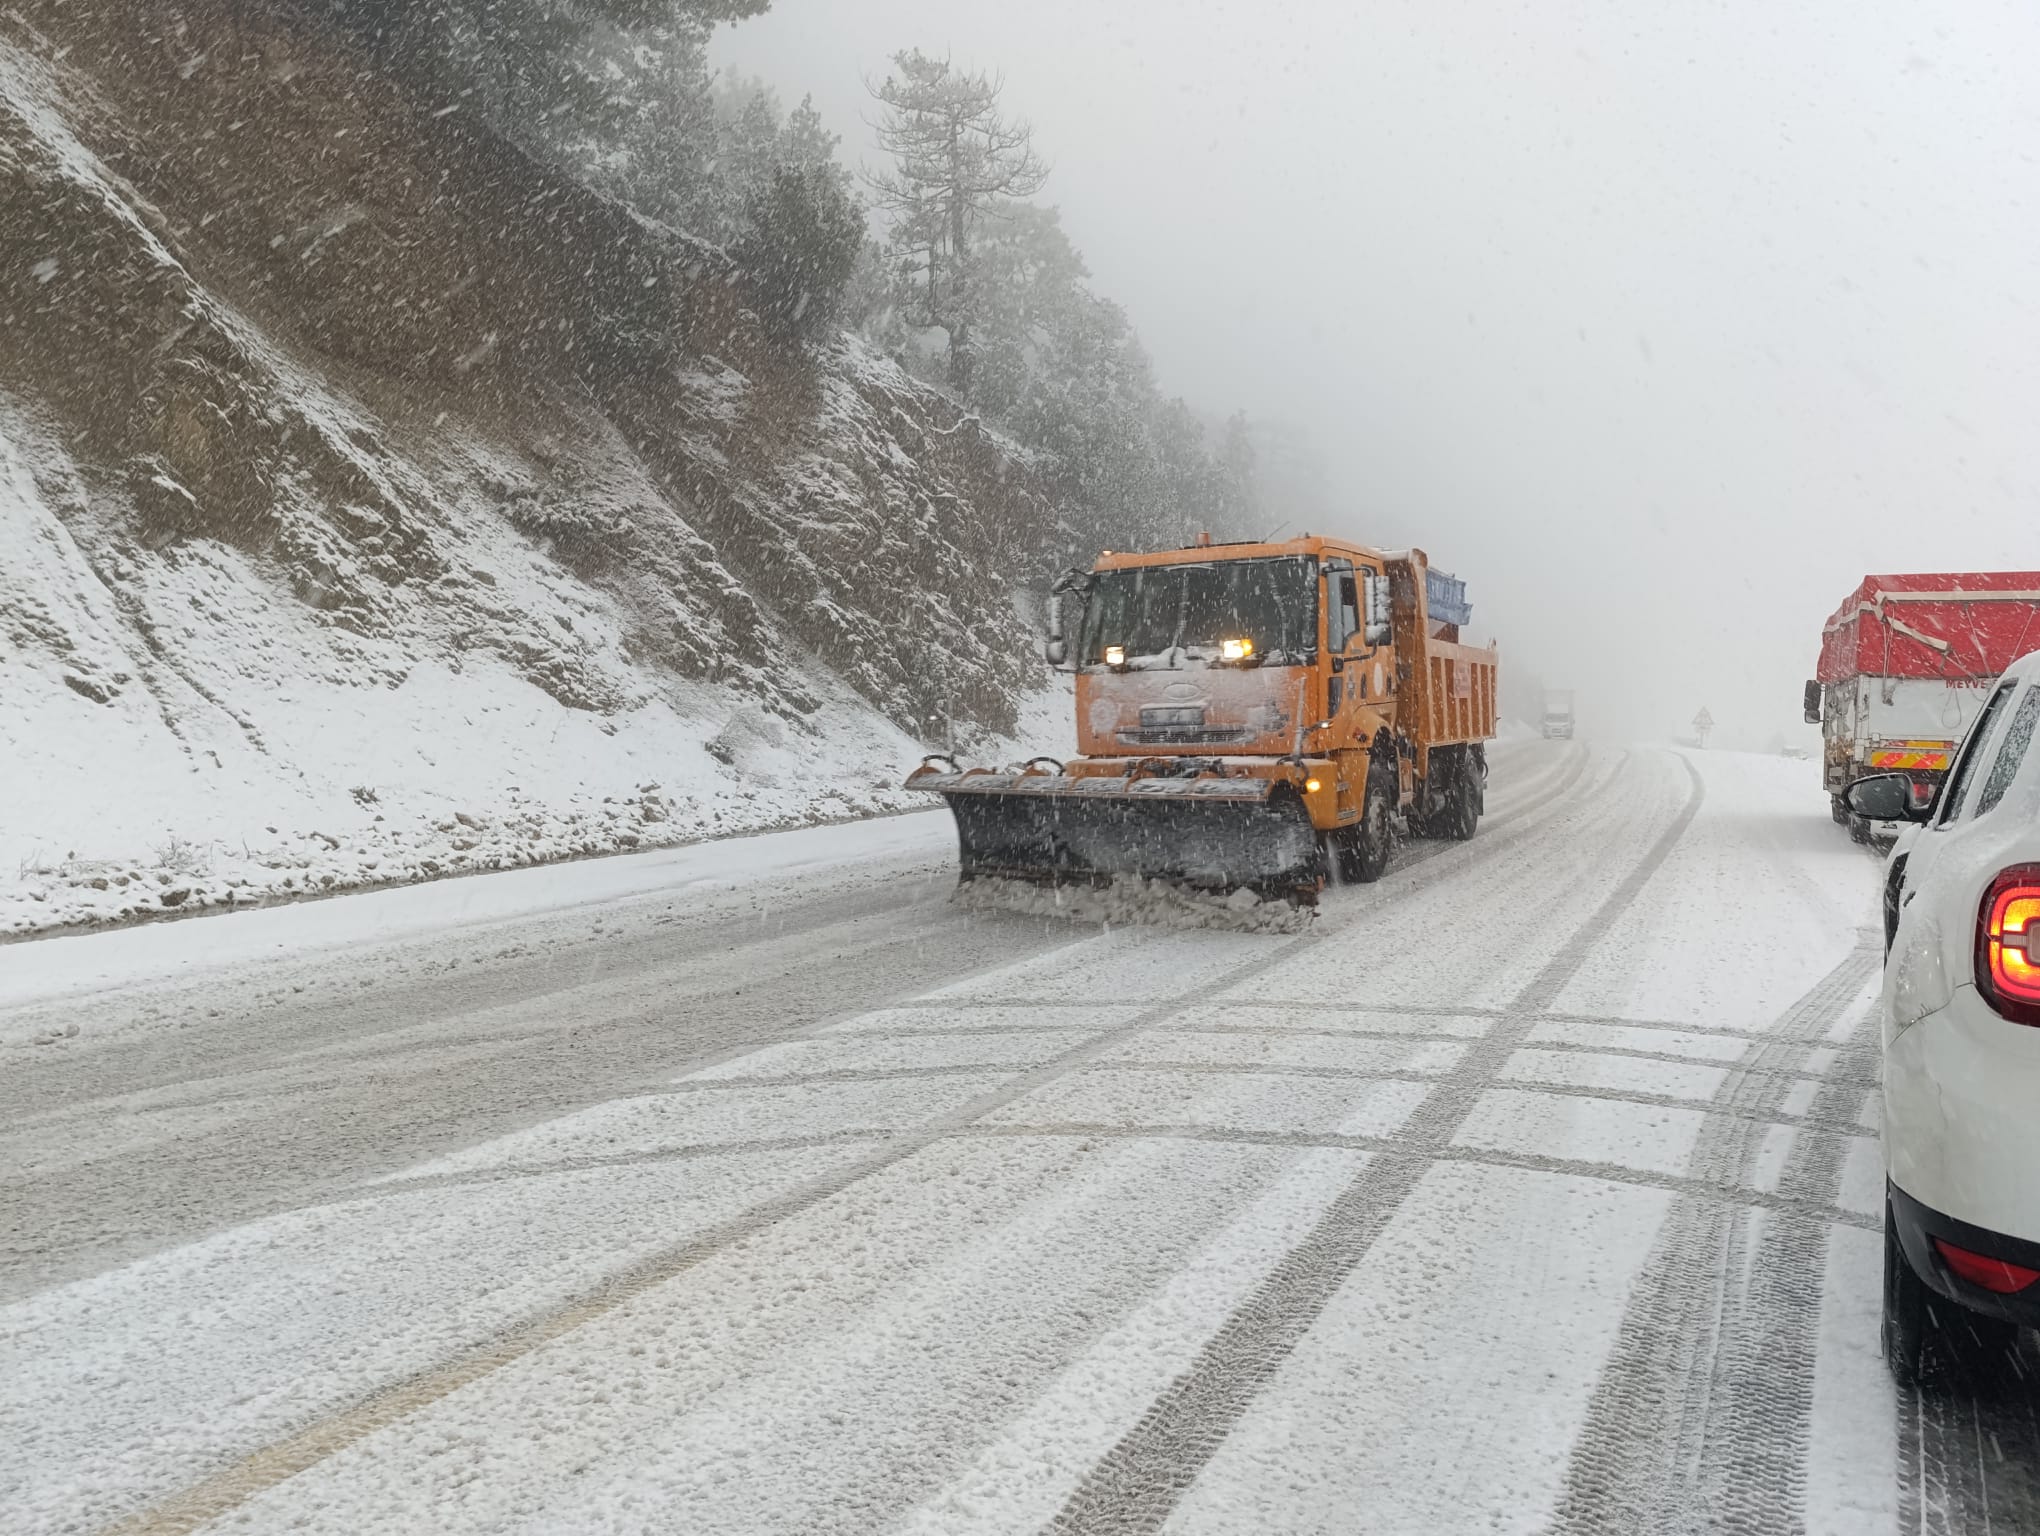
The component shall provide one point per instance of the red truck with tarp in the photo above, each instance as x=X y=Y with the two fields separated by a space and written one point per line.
x=1905 y=663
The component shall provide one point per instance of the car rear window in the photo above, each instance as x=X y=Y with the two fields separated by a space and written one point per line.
x=2018 y=739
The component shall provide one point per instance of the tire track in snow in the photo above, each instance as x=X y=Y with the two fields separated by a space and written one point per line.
x=1969 y=1442
x=297 y=1101
x=1969 y=1438
x=227 y=1489
x=1866 y=1060
x=1613 y=1173
x=1701 y=1418
x=1137 y=1484
x=1759 y=1430
x=1431 y=861
x=1617 y=1173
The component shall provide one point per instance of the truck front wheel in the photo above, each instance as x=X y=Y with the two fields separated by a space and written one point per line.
x=1363 y=850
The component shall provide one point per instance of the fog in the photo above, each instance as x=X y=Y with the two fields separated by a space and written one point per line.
x=1660 y=328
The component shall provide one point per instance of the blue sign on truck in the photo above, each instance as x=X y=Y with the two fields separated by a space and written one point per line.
x=1447 y=598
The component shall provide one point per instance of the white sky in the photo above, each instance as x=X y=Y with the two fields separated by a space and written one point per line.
x=1660 y=324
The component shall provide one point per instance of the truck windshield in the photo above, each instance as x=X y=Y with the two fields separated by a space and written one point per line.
x=1165 y=615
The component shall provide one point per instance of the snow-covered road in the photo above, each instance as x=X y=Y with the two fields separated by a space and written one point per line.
x=1535 y=1189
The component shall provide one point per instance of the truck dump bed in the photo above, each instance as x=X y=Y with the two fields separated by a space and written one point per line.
x=1456 y=702
x=1452 y=686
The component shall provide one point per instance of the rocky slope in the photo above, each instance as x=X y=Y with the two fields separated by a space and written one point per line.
x=375 y=503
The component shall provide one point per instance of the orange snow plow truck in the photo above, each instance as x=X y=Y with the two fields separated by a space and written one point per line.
x=1250 y=717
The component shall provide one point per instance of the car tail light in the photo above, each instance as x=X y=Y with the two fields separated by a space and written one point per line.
x=1978 y=1269
x=2008 y=944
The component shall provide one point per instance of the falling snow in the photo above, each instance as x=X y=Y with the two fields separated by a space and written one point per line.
x=467 y=444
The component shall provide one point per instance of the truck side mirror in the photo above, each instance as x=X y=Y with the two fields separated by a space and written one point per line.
x=1811 y=705
x=1055 y=650
x=1377 y=608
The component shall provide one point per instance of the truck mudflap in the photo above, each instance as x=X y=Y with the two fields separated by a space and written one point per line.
x=1206 y=832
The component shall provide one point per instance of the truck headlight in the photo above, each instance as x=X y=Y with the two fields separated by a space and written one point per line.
x=1236 y=650
x=1115 y=655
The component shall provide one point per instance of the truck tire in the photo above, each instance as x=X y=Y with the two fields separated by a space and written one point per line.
x=1466 y=795
x=1363 y=850
x=1459 y=796
x=1432 y=823
x=1455 y=798
x=1839 y=809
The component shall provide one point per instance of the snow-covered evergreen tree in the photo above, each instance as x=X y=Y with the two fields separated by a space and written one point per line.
x=957 y=160
x=802 y=241
x=1023 y=337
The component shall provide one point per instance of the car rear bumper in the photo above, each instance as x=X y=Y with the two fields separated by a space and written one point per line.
x=1961 y=1135
x=1918 y=1225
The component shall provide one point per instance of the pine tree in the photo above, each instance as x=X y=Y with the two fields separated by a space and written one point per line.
x=573 y=80
x=805 y=142
x=956 y=160
x=800 y=249
x=665 y=164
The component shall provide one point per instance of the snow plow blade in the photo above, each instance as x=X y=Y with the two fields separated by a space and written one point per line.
x=1207 y=833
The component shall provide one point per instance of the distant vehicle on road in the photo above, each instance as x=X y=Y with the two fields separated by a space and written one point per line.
x=1962 y=1034
x=1905 y=662
x=1558 y=714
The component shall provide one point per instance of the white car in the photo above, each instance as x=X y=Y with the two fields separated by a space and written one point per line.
x=1962 y=1035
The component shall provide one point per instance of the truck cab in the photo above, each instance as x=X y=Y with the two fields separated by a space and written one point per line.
x=1267 y=655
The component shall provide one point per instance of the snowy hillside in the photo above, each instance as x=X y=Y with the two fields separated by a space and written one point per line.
x=287 y=606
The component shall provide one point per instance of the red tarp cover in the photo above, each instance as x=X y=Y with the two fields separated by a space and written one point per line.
x=1959 y=625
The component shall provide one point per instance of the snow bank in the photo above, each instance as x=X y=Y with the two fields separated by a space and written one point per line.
x=114 y=958
x=126 y=800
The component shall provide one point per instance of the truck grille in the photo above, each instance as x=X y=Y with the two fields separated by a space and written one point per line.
x=1183 y=735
